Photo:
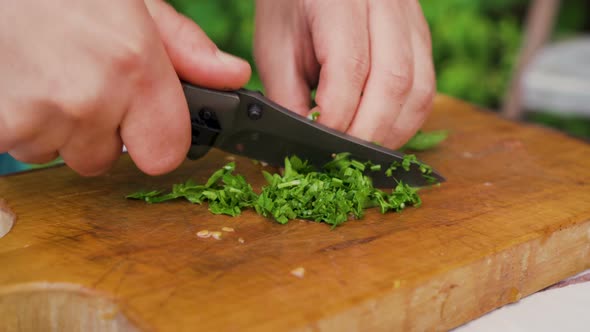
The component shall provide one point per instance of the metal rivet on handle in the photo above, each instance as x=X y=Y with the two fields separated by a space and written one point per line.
x=254 y=112
x=205 y=114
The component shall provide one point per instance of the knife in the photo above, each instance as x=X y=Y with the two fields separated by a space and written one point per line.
x=246 y=123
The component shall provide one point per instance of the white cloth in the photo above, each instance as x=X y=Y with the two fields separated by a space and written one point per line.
x=564 y=307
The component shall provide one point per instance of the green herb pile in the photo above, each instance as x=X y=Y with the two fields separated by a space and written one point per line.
x=337 y=193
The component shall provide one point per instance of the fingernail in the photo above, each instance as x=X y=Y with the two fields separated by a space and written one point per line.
x=229 y=59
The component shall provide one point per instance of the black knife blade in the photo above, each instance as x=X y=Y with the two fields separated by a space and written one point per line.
x=244 y=122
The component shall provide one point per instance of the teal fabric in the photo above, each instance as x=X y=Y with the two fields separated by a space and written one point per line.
x=10 y=165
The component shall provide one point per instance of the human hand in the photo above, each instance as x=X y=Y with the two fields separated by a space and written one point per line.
x=370 y=60
x=81 y=78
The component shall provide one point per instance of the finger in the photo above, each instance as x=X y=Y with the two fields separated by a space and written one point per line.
x=23 y=121
x=341 y=41
x=50 y=135
x=17 y=129
x=29 y=156
x=390 y=77
x=284 y=84
x=43 y=148
x=91 y=153
x=194 y=56
x=156 y=130
x=419 y=103
x=282 y=67
x=156 y=127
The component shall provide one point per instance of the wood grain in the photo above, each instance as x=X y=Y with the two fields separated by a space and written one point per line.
x=513 y=218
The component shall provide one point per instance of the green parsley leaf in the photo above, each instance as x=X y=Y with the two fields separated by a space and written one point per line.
x=425 y=140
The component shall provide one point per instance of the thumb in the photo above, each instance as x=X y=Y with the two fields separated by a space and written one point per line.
x=195 y=57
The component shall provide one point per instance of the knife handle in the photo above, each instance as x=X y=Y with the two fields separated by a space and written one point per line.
x=211 y=111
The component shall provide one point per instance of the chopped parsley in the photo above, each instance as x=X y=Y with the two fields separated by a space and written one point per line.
x=226 y=193
x=314 y=116
x=406 y=163
x=338 y=192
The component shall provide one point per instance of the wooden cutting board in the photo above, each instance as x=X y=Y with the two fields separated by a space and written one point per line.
x=513 y=218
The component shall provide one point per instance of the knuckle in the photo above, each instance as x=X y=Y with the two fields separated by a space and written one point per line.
x=80 y=106
x=78 y=102
x=396 y=82
x=358 y=66
x=96 y=99
x=130 y=58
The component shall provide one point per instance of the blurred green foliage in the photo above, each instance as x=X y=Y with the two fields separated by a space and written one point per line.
x=474 y=49
x=229 y=23
x=476 y=43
